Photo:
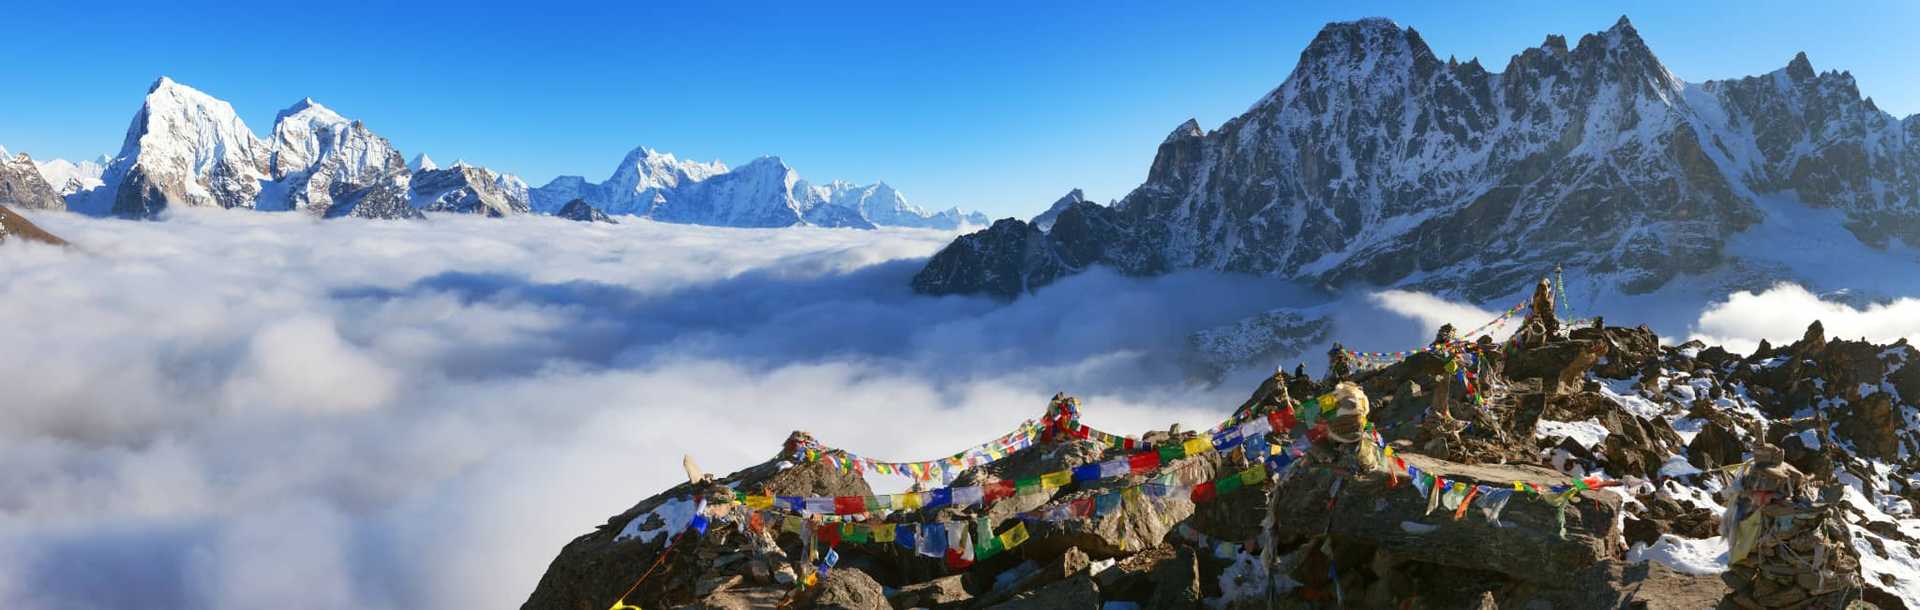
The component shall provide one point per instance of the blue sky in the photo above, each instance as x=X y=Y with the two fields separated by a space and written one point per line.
x=994 y=107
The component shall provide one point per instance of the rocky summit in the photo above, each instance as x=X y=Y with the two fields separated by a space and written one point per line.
x=1575 y=468
x=1379 y=162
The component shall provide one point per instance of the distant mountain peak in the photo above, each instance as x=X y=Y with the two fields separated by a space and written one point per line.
x=421 y=163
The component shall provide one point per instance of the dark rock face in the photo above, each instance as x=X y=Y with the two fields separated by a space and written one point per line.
x=22 y=187
x=1007 y=259
x=581 y=211
x=1375 y=161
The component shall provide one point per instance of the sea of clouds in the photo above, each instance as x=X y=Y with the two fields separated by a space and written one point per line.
x=245 y=410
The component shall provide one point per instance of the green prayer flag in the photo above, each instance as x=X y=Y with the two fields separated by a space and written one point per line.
x=1171 y=451
x=1229 y=484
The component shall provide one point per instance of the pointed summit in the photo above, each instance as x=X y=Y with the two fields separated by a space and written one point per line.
x=1800 y=68
x=422 y=163
x=1189 y=129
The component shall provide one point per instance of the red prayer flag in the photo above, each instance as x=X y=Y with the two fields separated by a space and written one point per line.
x=1144 y=462
x=828 y=533
x=1082 y=507
x=1317 y=433
x=849 y=505
x=957 y=563
x=1203 y=492
x=1281 y=420
x=997 y=490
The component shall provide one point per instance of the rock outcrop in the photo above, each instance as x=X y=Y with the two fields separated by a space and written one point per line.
x=1601 y=493
x=581 y=211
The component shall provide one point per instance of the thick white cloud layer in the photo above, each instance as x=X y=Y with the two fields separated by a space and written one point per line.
x=243 y=410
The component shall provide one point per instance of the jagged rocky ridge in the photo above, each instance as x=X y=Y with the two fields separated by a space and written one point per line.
x=186 y=148
x=1377 y=162
x=1661 y=419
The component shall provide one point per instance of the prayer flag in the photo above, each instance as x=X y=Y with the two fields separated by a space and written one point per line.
x=1197 y=446
x=1203 y=492
x=849 y=505
x=939 y=497
x=1081 y=508
x=911 y=500
x=1143 y=462
x=1105 y=503
x=792 y=503
x=999 y=490
x=759 y=502
x=828 y=533
x=1089 y=472
x=968 y=496
x=1113 y=468
x=832 y=558
x=698 y=525
x=1056 y=480
x=1172 y=451
x=1013 y=537
x=1027 y=485
x=1227 y=485
x=879 y=503
x=820 y=505
x=933 y=540
x=1254 y=475
x=853 y=532
x=882 y=532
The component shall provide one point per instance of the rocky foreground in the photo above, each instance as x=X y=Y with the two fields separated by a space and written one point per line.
x=1588 y=470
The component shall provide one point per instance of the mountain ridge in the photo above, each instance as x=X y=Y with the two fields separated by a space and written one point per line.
x=1377 y=163
x=187 y=148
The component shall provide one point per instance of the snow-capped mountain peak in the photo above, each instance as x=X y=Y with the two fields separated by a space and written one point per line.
x=421 y=162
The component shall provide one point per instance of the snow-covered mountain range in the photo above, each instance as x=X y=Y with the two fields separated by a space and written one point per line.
x=1378 y=163
x=186 y=148
x=763 y=193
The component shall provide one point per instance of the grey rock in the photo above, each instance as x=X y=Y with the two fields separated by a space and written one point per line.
x=580 y=210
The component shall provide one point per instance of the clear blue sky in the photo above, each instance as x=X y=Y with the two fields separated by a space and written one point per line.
x=994 y=107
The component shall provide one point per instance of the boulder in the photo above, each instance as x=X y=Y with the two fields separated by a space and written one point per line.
x=1077 y=593
x=1176 y=583
x=1525 y=546
x=1715 y=446
x=1628 y=349
x=942 y=591
x=850 y=589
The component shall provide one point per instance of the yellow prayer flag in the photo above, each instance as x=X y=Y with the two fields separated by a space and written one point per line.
x=1056 y=479
x=911 y=500
x=882 y=532
x=792 y=525
x=1197 y=446
x=759 y=502
x=1519 y=487
x=1013 y=537
x=1131 y=496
